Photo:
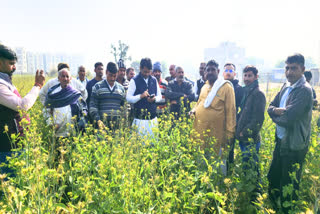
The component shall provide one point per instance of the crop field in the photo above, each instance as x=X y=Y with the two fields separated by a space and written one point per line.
x=101 y=171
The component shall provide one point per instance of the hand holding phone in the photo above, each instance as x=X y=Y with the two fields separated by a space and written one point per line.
x=152 y=95
x=151 y=98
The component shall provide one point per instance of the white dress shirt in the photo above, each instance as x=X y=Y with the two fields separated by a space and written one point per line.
x=195 y=88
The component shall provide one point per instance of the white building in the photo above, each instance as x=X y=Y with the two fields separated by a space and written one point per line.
x=226 y=52
x=30 y=62
x=35 y=62
x=21 y=64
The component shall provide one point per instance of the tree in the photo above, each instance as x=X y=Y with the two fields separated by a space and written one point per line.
x=280 y=64
x=164 y=69
x=309 y=63
x=120 y=52
x=136 y=65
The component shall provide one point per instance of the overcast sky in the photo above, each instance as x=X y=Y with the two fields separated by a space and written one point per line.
x=176 y=31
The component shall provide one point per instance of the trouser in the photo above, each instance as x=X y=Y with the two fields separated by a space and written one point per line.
x=250 y=157
x=3 y=160
x=230 y=156
x=279 y=174
x=250 y=164
x=112 y=122
x=221 y=166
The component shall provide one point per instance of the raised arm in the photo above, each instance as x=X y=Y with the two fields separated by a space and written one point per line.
x=11 y=100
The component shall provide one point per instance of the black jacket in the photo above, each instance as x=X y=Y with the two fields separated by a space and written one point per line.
x=251 y=117
x=238 y=91
x=175 y=91
x=297 y=117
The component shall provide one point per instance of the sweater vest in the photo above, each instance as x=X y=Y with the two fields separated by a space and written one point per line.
x=9 y=118
x=143 y=109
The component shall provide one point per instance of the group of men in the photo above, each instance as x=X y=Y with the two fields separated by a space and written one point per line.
x=224 y=110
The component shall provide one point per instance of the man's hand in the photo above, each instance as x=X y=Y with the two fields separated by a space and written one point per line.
x=241 y=135
x=144 y=94
x=39 y=78
x=173 y=102
x=151 y=100
x=279 y=111
x=192 y=113
x=101 y=125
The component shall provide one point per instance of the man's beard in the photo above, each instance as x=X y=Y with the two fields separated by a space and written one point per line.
x=11 y=73
x=211 y=78
x=158 y=78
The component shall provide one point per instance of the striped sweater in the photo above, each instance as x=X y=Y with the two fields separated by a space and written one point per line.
x=106 y=102
x=163 y=104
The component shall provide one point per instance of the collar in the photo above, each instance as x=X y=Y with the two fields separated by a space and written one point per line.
x=85 y=79
x=300 y=82
x=6 y=77
x=111 y=88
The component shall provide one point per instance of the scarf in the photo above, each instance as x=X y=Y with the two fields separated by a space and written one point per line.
x=216 y=86
x=6 y=78
x=66 y=96
x=246 y=92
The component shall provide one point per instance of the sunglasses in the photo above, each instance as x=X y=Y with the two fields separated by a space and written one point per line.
x=228 y=70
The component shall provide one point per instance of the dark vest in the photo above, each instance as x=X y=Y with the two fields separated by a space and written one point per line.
x=9 y=118
x=143 y=109
x=199 y=85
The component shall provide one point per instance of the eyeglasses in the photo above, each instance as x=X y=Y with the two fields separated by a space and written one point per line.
x=228 y=70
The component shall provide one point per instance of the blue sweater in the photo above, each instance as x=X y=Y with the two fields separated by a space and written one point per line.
x=106 y=102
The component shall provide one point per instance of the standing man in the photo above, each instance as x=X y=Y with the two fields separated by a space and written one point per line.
x=121 y=78
x=291 y=110
x=11 y=102
x=177 y=89
x=107 y=99
x=98 y=69
x=308 y=76
x=130 y=73
x=215 y=113
x=229 y=73
x=200 y=82
x=172 y=70
x=163 y=86
x=249 y=123
x=82 y=76
x=144 y=92
x=76 y=84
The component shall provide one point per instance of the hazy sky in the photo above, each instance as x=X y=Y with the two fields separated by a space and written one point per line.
x=175 y=31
